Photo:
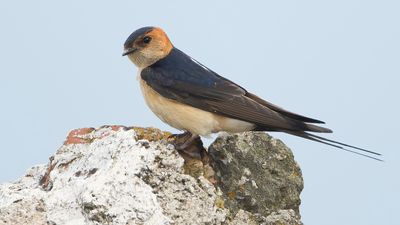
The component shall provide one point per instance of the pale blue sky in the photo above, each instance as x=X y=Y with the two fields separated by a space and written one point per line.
x=338 y=61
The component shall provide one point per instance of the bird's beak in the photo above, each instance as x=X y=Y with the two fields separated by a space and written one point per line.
x=128 y=51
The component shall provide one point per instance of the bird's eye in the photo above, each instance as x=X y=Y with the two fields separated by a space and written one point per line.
x=146 y=39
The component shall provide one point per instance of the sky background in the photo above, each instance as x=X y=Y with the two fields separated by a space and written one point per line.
x=339 y=61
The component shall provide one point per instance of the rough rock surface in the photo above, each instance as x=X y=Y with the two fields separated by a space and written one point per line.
x=256 y=173
x=120 y=175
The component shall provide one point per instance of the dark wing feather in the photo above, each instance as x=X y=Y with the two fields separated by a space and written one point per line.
x=180 y=78
x=282 y=111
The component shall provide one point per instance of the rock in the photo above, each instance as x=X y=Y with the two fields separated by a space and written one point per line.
x=256 y=173
x=282 y=217
x=131 y=175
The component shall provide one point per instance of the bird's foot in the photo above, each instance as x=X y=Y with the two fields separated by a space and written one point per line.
x=179 y=138
x=188 y=143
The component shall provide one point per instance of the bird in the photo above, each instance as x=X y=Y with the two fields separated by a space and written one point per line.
x=192 y=98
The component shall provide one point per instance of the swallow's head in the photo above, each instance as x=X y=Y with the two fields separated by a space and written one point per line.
x=146 y=46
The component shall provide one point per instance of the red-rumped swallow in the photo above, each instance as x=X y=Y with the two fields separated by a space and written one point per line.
x=191 y=97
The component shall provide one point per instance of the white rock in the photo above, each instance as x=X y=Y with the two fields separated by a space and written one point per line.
x=112 y=180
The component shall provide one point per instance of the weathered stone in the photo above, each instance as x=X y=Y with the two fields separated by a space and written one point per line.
x=130 y=175
x=256 y=173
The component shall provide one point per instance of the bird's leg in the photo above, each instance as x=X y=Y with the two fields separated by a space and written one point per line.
x=183 y=141
x=176 y=138
x=188 y=143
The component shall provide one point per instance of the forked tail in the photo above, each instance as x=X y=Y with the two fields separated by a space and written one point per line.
x=337 y=144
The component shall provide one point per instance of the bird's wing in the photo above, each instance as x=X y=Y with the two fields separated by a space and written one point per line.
x=181 y=78
x=281 y=110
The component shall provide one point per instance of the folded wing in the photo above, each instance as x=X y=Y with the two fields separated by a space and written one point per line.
x=181 y=78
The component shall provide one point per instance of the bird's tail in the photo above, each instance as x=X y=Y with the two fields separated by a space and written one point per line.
x=337 y=144
x=315 y=128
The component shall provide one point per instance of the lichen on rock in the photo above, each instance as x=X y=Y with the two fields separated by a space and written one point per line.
x=256 y=173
